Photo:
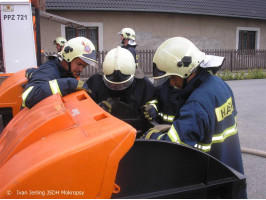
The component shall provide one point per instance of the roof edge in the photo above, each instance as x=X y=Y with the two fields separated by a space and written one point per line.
x=156 y=11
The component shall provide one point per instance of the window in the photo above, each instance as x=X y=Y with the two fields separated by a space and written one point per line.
x=89 y=32
x=248 y=38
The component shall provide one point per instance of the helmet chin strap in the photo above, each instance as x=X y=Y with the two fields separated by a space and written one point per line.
x=69 y=69
x=185 y=80
x=184 y=83
x=123 y=41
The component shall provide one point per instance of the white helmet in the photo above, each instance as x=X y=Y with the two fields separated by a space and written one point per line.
x=127 y=33
x=176 y=56
x=80 y=47
x=118 y=69
x=60 y=40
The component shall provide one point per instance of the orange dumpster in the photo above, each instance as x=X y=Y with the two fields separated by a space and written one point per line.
x=63 y=148
x=10 y=95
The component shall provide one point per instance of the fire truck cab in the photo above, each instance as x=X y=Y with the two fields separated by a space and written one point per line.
x=17 y=42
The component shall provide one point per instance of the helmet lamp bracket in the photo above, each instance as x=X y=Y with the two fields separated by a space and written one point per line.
x=185 y=61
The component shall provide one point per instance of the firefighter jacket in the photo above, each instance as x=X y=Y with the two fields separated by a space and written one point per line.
x=133 y=51
x=167 y=103
x=140 y=92
x=206 y=120
x=46 y=80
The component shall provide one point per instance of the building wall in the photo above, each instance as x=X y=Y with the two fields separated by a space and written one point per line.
x=207 y=32
x=49 y=31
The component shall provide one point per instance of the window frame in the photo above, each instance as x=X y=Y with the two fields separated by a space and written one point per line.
x=257 y=36
x=88 y=25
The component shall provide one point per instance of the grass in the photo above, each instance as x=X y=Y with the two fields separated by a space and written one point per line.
x=242 y=75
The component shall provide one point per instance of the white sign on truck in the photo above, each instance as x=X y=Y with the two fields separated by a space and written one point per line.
x=18 y=44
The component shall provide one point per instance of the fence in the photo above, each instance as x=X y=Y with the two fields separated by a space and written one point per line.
x=234 y=60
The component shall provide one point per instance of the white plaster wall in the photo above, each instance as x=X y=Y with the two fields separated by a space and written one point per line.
x=207 y=32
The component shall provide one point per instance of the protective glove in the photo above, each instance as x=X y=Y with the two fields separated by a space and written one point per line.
x=149 y=112
x=29 y=73
x=157 y=132
x=152 y=134
x=83 y=86
x=106 y=105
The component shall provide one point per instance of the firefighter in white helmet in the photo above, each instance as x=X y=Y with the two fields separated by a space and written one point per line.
x=206 y=113
x=59 y=43
x=119 y=83
x=128 y=40
x=60 y=75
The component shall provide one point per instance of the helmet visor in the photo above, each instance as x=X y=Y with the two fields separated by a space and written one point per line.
x=160 y=81
x=117 y=85
x=156 y=72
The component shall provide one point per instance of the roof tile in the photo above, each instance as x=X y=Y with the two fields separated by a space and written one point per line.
x=231 y=8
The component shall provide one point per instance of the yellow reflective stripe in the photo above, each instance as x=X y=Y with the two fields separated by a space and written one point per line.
x=224 y=110
x=173 y=135
x=168 y=118
x=203 y=147
x=151 y=132
x=158 y=138
x=218 y=138
x=153 y=103
x=54 y=87
x=227 y=132
x=25 y=94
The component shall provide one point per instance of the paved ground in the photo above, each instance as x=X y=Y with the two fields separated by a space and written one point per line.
x=250 y=98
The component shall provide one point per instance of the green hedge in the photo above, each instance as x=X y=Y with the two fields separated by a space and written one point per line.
x=242 y=75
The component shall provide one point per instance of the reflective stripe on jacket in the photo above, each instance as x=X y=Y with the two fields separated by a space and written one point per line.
x=207 y=121
x=50 y=78
x=167 y=103
x=136 y=95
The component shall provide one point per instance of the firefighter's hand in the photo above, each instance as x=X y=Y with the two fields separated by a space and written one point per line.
x=149 y=112
x=152 y=133
x=106 y=105
x=83 y=86
x=29 y=73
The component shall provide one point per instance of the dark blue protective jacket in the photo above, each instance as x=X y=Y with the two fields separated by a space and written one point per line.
x=133 y=51
x=50 y=78
x=167 y=97
x=206 y=120
x=136 y=95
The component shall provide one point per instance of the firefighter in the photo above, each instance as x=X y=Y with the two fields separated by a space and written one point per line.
x=206 y=112
x=60 y=74
x=128 y=40
x=167 y=102
x=163 y=109
x=59 y=43
x=119 y=83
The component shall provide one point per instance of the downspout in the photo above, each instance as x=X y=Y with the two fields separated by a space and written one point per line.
x=38 y=36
